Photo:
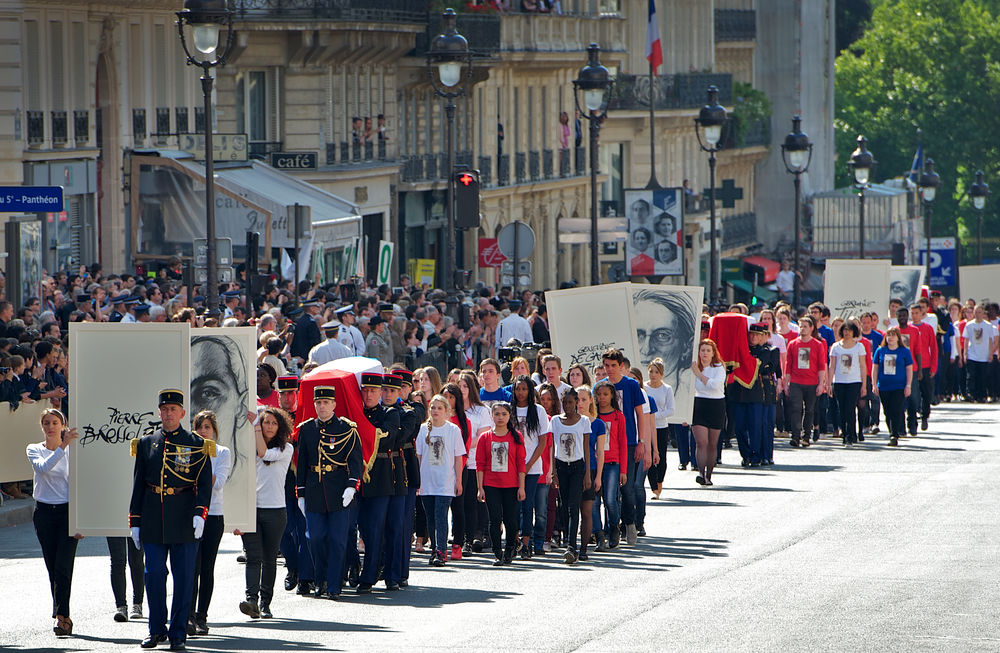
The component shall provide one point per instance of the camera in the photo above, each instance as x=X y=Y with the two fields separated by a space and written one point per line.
x=4 y=370
x=529 y=352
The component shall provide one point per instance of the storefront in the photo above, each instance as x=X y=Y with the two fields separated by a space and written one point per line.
x=69 y=238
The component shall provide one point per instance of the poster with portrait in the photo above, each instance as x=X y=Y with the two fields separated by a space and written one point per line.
x=655 y=232
x=583 y=322
x=116 y=372
x=224 y=380
x=852 y=287
x=667 y=325
x=905 y=282
x=980 y=282
x=20 y=428
x=31 y=259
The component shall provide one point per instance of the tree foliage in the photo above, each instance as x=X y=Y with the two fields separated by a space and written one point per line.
x=932 y=65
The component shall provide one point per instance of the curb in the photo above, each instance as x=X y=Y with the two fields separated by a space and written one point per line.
x=18 y=513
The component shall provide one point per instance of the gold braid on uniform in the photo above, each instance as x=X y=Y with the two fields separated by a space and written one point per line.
x=207 y=449
x=328 y=459
x=379 y=434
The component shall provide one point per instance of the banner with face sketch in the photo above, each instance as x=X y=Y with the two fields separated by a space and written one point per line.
x=583 y=322
x=852 y=287
x=116 y=373
x=905 y=282
x=20 y=428
x=224 y=381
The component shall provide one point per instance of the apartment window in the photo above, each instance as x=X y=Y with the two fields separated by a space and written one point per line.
x=256 y=105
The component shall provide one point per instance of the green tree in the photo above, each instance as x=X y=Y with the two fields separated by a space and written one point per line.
x=935 y=66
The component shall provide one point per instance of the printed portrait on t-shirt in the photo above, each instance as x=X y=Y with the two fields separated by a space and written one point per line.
x=890 y=364
x=567 y=444
x=435 y=450
x=846 y=362
x=498 y=457
x=977 y=335
x=906 y=340
x=803 y=358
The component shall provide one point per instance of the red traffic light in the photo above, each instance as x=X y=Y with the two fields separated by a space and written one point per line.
x=466 y=179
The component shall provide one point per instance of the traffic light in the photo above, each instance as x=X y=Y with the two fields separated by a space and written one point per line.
x=467 y=199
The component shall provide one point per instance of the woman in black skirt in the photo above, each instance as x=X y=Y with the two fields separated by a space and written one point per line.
x=709 y=407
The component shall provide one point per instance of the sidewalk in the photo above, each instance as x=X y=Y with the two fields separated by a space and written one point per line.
x=16 y=511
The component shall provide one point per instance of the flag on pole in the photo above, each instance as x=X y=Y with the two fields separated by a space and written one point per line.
x=918 y=165
x=654 y=54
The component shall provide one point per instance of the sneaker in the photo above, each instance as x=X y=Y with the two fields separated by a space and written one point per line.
x=546 y=547
x=477 y=546
x=631 y=534
x=569 y=557
x=923 y=423
x=642 y=532
x=456 y=552
x=420 y=546
x=121 y=614
x=893 y=441
x=136 y=611
x=437 y=560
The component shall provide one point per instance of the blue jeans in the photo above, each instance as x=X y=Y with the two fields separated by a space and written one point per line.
x=685 y=444
x=436 y=508
x=541 y=514
x=528 y=505
x=328 y=539
x=609 y=495
x=634 y=490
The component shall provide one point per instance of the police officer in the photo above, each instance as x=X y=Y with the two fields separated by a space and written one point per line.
x=171 y=492
x=332 y=349
x=118 y=305
x=230 y=299
x=394 y=518
x=294 y=547
x=307 y=333
x=328 y=472
x=377 y=489
x=349 y=334
x=412 y=415
x=129 y=305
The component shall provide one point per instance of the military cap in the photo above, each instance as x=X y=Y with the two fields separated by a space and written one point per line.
x=171 y=396
x=371 y=380
x=406 y=376
x=391 y=381
x=286 y=383
x=331 y=325
x=758 y=328
x=345 y=309
x=324 y=392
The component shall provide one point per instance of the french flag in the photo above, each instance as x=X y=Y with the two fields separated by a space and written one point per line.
x=653 y=52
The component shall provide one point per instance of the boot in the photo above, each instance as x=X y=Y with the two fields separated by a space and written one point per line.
x=250 y=607
x=602 y=543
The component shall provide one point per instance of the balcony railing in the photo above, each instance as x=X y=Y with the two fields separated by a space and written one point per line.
x=755 y=133
x=503 y=170
x=735 y=24
x=739 y=230
x=60 y=128
x=345 y=152
x=482 y=32
x=181 y=119
x=36 y=128
x=375 y=11
x=520 y=165
x=261 y=150
x=430 y=166
x=535 y=32
x=463 y=158
x=485 y=170
x=534 y=165
x=547 y=163
x=81 y=126
x=162 y=125
x=139 y=125
x=199 y=120
x=680 y=91
x=564 y=163
x=581 y=161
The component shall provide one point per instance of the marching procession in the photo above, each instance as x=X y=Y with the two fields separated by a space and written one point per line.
x=365 y=468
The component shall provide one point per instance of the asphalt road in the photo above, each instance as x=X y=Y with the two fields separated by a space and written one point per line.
x=832 y=549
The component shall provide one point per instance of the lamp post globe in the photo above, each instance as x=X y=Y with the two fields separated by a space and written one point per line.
x=708 y=128
x=861 y=163
x=929 y=182
x=796 y=152
x=979 y=191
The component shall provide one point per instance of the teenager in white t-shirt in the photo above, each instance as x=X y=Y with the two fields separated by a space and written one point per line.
x=552 y=370
x=663 y=395
x=571 y=439
x=439 y=450
x=481 y=421
x=531 y=421
x=846 y=376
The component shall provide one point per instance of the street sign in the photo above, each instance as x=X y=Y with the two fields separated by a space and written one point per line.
x=385 y=249
x=31 y=199
x=523 y=267
x=225 y=275
x=490 y=255
x=223 y=253
x=943 y=263
x=525 y=240
x=294 y=160
x=227 y=147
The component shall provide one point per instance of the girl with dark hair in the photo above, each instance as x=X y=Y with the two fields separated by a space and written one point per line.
x=709 y=407
x=596 y=446
x=545 y=497
x=613 y=475
x=274 y=454
x=532 y=423
x=571 y=430
x=453 y=394
x=577 y=375
x=500 y=477
x=481 y=422
x=847 y=376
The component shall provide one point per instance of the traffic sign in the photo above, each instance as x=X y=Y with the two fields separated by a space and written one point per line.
x=223 y=253
x=943 y=263
x=490 y=255
x=525 y=240
x=225 y=275
x=385 y=249
x=31 y=199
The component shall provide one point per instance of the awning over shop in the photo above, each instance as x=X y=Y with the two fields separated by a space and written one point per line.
x=770 y=268
x=760 y=292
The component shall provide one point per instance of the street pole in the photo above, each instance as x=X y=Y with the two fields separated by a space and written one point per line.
x=979 y=237
x=796 y=293
x=595 y=268
x=713 y=252
x=298 y=221
x=212 y=272
x=450 y=252
x=927 y=228
x=517 y=260
x=652 y=184
x=861 y=222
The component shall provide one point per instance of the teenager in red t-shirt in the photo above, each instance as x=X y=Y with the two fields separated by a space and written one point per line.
x=805 y=364
x=928 y=360
x=615 y=460
x=500 y=475
x=911 y=340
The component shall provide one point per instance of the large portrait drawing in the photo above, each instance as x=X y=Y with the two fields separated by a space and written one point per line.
x=905 y=282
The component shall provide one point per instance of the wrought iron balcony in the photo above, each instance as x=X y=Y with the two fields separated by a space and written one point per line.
x=181 y=119
x=261 y=150
x=345 y=152
x=534 y=165
x=162 y=124
x=139 y=125
x=754 y=133
x=36 y=128
x=464 y=158
x=482 y=32
x=564 y=163
x=413 y=169
x=503 y=170
x=485 y=170
x=369 y=150
x=739 y=230
x=547 y=163
x=331 y=154
x=60 y=128
x=581 y=161
x=735 y=25
x=520 y=165
x=381 y=149
x=373 y=11
x=430 y=166
x=81 y=126
x=199 y=120
x=680 y=91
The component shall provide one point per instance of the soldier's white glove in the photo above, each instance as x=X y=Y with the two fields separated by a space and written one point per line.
x=135 y=536
x=199 y=527
x=302 y=505
x=348 y=496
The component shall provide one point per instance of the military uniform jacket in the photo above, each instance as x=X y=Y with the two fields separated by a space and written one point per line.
x=306 y=337
x=399 y=472
x=735 y=392
x=380 y=479
x=329 y=461
x=770 y=370
x=172 y=482
x=419 y=414
x=115 y=317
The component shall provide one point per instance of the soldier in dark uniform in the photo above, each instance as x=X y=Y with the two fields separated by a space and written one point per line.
x=769 y=373
x=171 y=492
x=328 y=473
x=412 y=416
x=117 y=305
x=378 y=488
x=746 y=405
x=294 y=546
x=307 y=333
x=394 y=517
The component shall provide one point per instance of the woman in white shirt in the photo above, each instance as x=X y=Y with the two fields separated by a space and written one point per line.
x=571 y=438
x=709 y=407
x=663 y=395
x=206 y=425
x=846 y=376
x=532 y=422
x=274 y=453
x=482 y=421
x=440 y=450
x=50 y=467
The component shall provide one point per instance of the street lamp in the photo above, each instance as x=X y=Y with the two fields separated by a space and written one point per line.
x=449 y=53
x=711 y=118
x=594 y=80
x=979 y=192
x=797 y=153
x=929 y=182
x=861 y=162
x=204 y=19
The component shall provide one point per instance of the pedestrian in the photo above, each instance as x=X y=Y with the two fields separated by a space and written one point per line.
x=532 y=422
x=206 y=425
x=414 y=414
x=440 y=450
x=663 y=395
x=578 y=375
x=171 y=494
x=615 y=457
x=892 y=377
x=294 y=543
x=979 y=344
x=805 y=366
x=481 y=421
x=491 y=389
x=457 y=416
x=500 y=477
x=273 y=433
x=709 y=407
x=596 y=444
x=847 y=377
x=912 y=338
x=395 y=510
x=571 y=433
x=545 y=497
x=50 y=480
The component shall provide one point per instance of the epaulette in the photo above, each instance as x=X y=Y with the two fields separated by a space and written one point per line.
x=353 y=425
x=209 y=447
x=133 y=446
x=304 y=422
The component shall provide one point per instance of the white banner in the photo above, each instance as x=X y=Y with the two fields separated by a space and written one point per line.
x=583 y=322
x=905 y=282
x=852 y=287
x=116 y=372
x=20 y=428
x=979 y=282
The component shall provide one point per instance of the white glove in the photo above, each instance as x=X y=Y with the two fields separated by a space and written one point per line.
x=135 y=536
x=348 y=496
x=302 y=505
x=199 y=527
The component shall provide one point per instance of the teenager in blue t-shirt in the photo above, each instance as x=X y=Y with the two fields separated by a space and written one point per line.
x=869 y=412
x=489 y=374
x=892 y=375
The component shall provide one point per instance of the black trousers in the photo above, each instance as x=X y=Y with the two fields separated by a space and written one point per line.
x=204 y=565
x=892 y=405
x=847 y=396
x=262 y=553
x=976 y=379
x=464 y=510
x=501 y=502
x=123 y=551
x=59 y=551
x=801 y=404
x=926 y=393
x=571 y=490
x=658 y=472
